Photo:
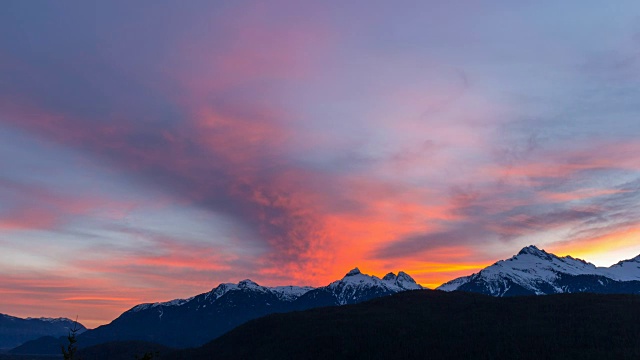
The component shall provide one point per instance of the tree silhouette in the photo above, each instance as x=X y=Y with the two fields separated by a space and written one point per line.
x=70 y=352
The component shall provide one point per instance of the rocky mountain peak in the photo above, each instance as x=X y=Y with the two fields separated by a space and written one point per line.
x=390 y=277
x=354 y=271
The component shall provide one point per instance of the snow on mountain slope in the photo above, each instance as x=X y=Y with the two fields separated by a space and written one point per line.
x=285 y=293
x=536 y=271
x=290 y=293
x=356 y=278
x=208 y=315
x=402 y=281
x=176 y=302
x=626 y=270
x=348 y=289
x=220 y=290
x=454 y=284
x=52 y=320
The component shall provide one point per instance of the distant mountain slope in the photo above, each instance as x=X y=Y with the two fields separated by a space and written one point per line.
x=535 y=272
x=15 y=331
x=439 y=325
x=46 y=345
x=192 y=322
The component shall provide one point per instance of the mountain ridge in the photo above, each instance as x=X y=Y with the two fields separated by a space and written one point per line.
x=532 y=271
x=172 y=323
x=15 y=331
x=536 y=272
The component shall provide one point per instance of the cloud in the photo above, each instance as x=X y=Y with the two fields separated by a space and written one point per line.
x=33 y=207
x=214 y=147
x=286 y=142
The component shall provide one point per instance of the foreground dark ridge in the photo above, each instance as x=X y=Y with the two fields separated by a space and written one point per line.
x=439 y=325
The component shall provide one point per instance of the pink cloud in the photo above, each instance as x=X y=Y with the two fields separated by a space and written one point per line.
x=38 y=207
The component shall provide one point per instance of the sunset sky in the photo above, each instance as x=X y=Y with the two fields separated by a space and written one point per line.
x=150 y=150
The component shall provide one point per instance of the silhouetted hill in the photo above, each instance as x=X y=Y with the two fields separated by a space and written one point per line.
x=5 y=356
x=46 y=345
x=439 y=325
x=123 y=350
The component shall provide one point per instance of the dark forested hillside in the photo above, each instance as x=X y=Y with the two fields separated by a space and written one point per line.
x=440 y=325
x=427 y=324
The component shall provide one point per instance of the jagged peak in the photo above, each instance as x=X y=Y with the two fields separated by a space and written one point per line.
x=576 y=259
x=354 y=271
x=390 y=277
x=532 y=250
x=535 y=251
x=224 y=288
x=246 y=283
x=405 y=277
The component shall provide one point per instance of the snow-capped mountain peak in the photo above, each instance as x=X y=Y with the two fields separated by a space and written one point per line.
x=390 y=277
x=626 y=270
x=356 y=277
x=220 y=290
x=534 y=251
x=290 y=292
x=404 y=281
x=52 y=320
x=629 y=261
x=533 y=266
x=285 y=293
x=248 y=284
x=536 y=271
x=228 y=305
x=145 y=306
x=354 y=271
x=355 y=282
x=224 y=288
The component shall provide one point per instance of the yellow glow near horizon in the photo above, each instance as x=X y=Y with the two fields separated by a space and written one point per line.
x=605 y=250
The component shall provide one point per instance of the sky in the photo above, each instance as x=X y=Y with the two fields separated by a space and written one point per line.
x=151 y=150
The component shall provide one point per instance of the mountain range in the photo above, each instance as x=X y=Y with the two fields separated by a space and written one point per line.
x=15 y=331
x=536 y=272
x=424 y=324
x=194 y=321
